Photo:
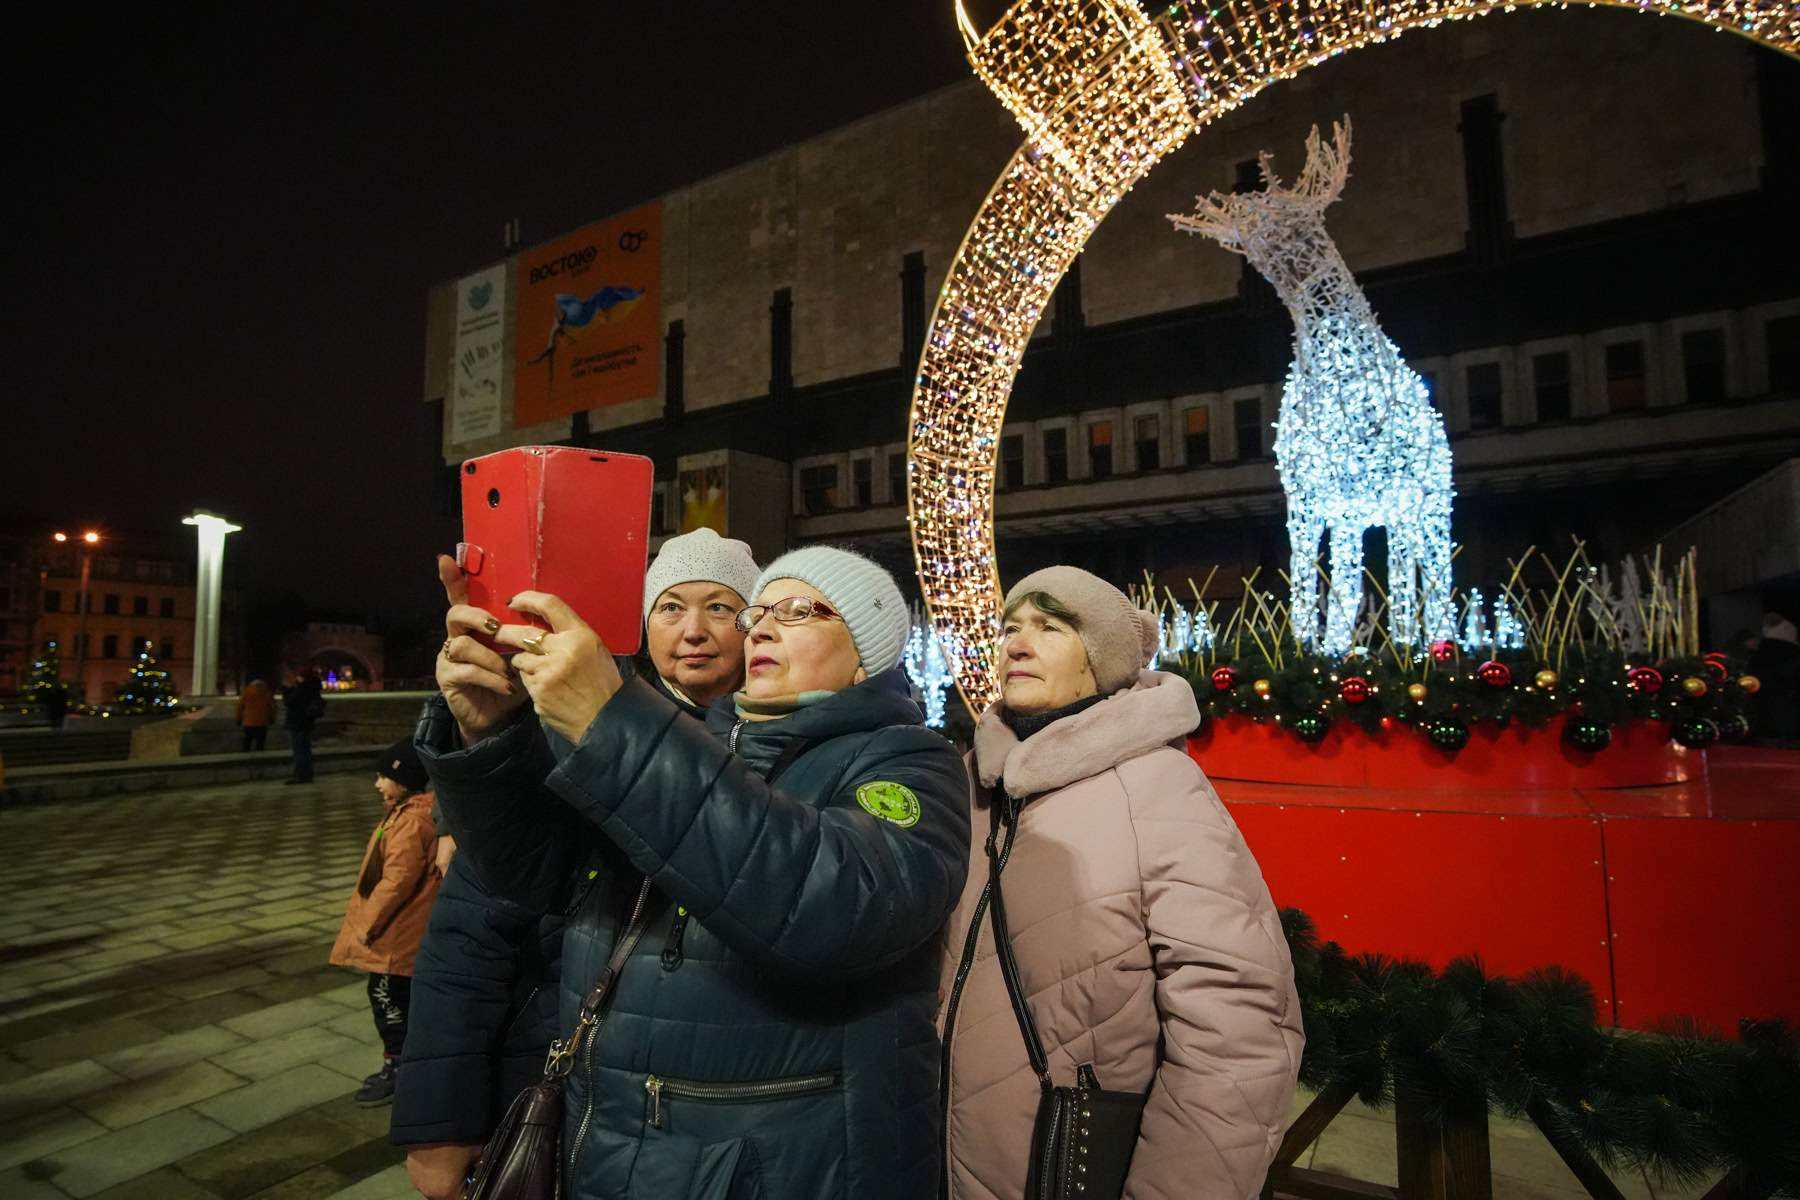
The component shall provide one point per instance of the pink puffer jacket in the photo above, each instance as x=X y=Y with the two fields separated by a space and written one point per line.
x=1147 y=943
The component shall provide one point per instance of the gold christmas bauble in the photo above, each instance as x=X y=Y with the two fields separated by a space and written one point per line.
x=1749 y=683
x=1416 y=690
x=1261 y=687
x=1693 y=685
x=1547 y=679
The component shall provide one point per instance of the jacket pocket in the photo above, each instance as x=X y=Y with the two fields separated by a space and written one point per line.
x=664 y=1092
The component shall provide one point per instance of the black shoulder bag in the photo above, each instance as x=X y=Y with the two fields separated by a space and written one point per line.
x=1083 y=1138
x=523 y=1159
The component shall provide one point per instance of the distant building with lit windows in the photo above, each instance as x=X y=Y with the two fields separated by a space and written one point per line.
x=140 y=595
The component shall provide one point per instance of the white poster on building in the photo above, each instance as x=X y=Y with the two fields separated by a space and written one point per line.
x=480 y=351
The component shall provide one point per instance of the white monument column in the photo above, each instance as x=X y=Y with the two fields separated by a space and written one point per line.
x=212 y=529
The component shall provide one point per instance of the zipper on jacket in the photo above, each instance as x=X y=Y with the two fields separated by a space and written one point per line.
x=731 y=738
x=524 y=1007
x=587 y=1046
x=733 y=1093
x=671 y=954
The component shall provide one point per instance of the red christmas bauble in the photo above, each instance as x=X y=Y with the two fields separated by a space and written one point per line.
x=1354 y=690
x=1494 y=674
x=1223 y=678
x=1645 y=679
x=1715 y=666
x=1443 y=651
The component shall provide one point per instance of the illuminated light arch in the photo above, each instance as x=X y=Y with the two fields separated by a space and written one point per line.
x=1103 y=92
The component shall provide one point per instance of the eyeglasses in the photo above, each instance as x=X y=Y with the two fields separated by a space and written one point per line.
x=791 y=611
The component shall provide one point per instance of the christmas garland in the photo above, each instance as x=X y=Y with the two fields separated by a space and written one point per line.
x=1702 y=697
x=1684 y=1103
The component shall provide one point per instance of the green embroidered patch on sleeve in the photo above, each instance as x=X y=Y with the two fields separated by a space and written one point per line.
x=891 y=802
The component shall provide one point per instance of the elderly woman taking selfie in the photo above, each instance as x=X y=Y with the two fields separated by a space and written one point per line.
x=1149 y=954
x=769 y=888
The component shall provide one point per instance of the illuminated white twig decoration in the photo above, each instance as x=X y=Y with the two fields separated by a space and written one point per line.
x=1358 y=444
x=1103 y=92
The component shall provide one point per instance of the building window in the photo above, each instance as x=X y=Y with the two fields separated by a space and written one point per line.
x=1550 y=385
x=1782 y=336
x=112 y=604
x=1483 y=381
x=52 y=600
x=1149 y=445
x=1056 y=456
x=1246 y=421
x=140 y=606
x=897 y=478
x=1198 y=438
x=862 y=481
x=1703 y=365
x=1625 y=376
x=1012 y=460
x=168 y=649
x=1100 y=462
x=109 y=646
x=818 y=488
x=166 y=607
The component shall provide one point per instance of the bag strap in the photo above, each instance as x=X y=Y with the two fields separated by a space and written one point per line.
x=1009 y=966
x=562 y=1052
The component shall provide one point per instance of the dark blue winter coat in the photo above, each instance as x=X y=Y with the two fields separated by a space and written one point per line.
x=773 y=1035
x=483 y=1013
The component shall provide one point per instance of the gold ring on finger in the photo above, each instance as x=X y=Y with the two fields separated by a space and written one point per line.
x=534 y=644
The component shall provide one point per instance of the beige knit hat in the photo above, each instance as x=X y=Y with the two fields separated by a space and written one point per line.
x=1120 y=638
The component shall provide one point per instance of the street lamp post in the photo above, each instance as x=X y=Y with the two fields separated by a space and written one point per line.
x=90 y=539
x=212 y=529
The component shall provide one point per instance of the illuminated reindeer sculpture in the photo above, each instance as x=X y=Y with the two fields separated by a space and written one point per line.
x=1358 y=444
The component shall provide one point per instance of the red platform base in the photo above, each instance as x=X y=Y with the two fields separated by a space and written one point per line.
x=1672 y=901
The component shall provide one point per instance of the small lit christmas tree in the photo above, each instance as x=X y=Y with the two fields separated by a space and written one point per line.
x=45 y=675
x=147 y=689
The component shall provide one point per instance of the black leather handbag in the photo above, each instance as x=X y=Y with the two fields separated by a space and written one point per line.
x=1083 y=1138
x=523 y=1159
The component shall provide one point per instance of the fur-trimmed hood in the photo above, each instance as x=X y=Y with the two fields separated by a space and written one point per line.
x=1158 y=710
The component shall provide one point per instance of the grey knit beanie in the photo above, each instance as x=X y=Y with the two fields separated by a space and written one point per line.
x=1119 y=637
x=701 y=557
x=862 y=591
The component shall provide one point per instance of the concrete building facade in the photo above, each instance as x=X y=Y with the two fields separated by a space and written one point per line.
x=1576 y=225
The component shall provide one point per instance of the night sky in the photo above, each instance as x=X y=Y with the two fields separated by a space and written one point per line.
x=229 y=225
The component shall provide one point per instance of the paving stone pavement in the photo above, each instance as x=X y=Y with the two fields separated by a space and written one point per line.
x=169 y=1027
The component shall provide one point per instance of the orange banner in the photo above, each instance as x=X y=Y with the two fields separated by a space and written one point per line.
x=590 y=319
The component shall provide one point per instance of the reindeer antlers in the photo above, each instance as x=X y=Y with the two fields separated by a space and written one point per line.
x=1327 y=167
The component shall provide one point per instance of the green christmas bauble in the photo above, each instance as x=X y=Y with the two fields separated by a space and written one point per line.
x=1448 y=733
x=1310 y=728
x=1696 y=733
x=1735 y=728
x=1591 y=736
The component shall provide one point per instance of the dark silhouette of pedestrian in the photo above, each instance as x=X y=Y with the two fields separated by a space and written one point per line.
x=1775 y=708
x=302 y=703
x=56 y=705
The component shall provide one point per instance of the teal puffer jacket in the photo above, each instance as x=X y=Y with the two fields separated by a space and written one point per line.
x=773 y=1034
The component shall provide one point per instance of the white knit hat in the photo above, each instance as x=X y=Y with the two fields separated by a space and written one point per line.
x=701 y=557
x=860 y=590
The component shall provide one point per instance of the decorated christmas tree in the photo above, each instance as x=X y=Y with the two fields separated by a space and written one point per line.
x=147 y=689
x=45 y=675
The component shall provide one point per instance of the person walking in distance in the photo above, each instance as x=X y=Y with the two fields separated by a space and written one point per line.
x=302 y=704
x=389 y=907
x=255 y=709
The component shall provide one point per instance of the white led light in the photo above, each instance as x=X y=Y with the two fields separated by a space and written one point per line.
x=1358 y=445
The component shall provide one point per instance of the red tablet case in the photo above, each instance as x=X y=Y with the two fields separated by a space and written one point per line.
x=564 y=520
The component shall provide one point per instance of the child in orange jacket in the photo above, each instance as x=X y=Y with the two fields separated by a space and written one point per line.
x=389 y=908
